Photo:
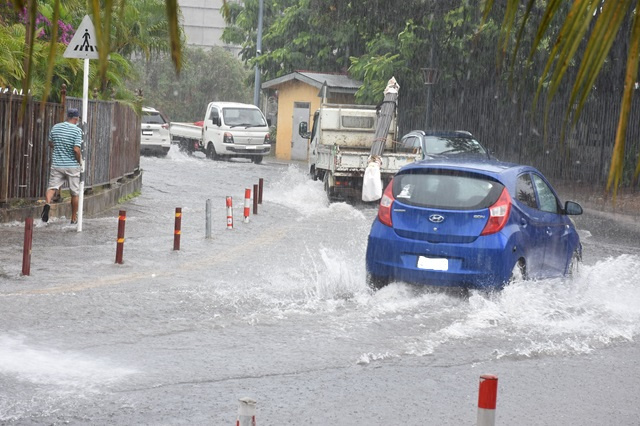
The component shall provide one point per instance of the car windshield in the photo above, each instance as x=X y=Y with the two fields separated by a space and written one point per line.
x=444 y=145
x=444 y=190
x=152 y=118
x=248 y=117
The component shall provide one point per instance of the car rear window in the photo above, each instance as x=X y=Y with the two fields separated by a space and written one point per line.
x=446 y=190
x=152 y=118
x=446 y=145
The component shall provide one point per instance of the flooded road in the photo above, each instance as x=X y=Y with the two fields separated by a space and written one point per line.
x=277 y=309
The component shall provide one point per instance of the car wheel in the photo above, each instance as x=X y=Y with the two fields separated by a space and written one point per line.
x=257 y=159
x=376 y=282
x=211 y=152
x=519 y=272
x=574 y=264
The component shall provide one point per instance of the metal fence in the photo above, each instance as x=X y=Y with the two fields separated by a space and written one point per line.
x=506 y=124
x=112 y=150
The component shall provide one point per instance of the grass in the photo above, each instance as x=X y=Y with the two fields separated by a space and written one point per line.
x=128 y=197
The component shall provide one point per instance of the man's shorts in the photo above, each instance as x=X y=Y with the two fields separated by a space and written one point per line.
x=70 y=175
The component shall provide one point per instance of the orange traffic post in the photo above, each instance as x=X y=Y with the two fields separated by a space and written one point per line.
x=255 y=199
x=246 y=412
x=260 y=185
x=26 y=252
x=247 y=201
x=487 y=396
x=122 y=217
x=229 y=212
x=176 y=232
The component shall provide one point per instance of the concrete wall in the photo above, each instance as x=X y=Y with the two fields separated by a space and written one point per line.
x=104 y=199
x=203 y=24
x=296 y=91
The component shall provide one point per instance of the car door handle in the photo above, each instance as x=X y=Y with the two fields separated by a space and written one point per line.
x=523 y=222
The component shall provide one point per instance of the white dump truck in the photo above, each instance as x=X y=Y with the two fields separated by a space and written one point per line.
x=229 y=129
x=340 y=148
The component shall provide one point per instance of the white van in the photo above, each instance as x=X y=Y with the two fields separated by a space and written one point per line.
x=233 y=129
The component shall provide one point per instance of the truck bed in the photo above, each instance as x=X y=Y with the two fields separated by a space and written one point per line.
x=355 y=161
x=185 y=131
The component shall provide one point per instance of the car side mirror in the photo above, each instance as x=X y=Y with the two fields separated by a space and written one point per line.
x=303 y=130
x=572 y=208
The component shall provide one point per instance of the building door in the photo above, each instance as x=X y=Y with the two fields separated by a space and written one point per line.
x=299 y=145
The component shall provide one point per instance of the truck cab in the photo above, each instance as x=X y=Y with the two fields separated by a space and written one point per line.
x=232 y=129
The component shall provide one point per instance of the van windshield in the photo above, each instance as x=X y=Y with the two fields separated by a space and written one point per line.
x=245 y=117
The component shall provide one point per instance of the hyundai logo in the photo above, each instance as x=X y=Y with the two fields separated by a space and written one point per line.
x=436 y=218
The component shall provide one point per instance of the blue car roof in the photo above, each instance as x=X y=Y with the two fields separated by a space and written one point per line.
x=499 y=170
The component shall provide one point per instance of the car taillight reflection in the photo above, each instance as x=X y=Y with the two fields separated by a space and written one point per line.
x=498 y=214
x=386 y=203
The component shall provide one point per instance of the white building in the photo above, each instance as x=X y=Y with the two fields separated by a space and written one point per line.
x=203 y=23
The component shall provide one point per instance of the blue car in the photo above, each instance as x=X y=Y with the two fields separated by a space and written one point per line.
x=471 y=223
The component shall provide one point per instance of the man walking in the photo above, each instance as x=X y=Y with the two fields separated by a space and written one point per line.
x=66 y=139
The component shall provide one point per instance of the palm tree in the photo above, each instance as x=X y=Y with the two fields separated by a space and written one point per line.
x=596 y=21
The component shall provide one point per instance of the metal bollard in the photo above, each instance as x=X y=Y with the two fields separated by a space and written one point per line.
x=208 y=220
x=487 y=400
x=229 y=213
x=255 y=199
x=247 y=202
x=177 y=231
x=26 y=252
x=260 y=185
x=246 y=412
x=122 y=217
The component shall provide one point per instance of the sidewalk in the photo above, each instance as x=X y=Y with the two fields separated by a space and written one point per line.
x=627 y=202
x=94 y=203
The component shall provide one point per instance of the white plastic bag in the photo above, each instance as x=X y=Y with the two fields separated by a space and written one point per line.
x=372 y=182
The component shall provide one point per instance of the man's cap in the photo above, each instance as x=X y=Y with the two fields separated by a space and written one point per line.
x=73 y=112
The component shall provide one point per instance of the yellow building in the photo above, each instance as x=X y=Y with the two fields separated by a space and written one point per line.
x=298 y=96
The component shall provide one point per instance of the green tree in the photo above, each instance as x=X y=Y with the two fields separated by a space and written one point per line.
x=596 y=23
x=206 y=76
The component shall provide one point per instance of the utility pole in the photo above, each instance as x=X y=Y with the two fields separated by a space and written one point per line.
x=256 y=90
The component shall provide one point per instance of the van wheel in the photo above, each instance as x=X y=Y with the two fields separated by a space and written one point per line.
x=327 y=187
x=257 y=159
x=211 y=152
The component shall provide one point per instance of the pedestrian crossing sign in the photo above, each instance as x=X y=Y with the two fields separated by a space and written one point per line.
x=83 y=45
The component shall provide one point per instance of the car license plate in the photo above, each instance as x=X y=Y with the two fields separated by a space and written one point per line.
x=251 y=147
x=433 y=264
x=147 y=132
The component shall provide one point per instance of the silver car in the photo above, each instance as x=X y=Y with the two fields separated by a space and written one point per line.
x=155 y=137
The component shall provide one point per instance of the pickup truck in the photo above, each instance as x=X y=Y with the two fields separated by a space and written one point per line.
x=340 y=148
x=229 y=129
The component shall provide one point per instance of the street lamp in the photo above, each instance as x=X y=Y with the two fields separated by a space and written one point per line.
x=430 y=77
x=256 y=90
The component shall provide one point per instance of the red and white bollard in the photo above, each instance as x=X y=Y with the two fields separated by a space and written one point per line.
x=247 y=204
x=229 y=213
x=246 y=412
x=487 y=400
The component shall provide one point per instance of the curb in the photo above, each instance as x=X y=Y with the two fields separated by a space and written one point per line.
x=93 y=204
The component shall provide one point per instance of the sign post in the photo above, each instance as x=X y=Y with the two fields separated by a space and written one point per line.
x=83 y=45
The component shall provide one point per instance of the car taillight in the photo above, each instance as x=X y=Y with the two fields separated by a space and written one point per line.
x=498 y=214
x=267 y=138
x=228 y=137
x=386 y=202
x=165 y=126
